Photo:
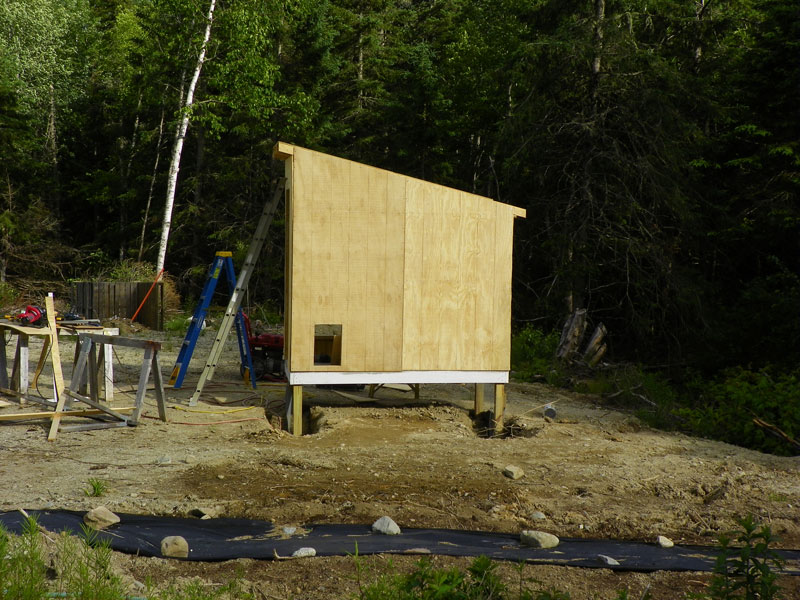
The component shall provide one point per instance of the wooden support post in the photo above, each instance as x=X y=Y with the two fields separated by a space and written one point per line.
x=19 y=375
x=297 y=410
x=108 y=371
x=415 y=387
x=159 y=383
x=3 y=363
x=499 y=407
x=58 y=375
x=479 y=396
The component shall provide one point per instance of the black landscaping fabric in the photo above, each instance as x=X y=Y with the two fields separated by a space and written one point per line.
x=226 y=539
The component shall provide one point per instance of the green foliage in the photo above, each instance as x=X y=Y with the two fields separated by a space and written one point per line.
x=725 y=409
x=8 y=295
x=23 y=569
x=747 y=570
x=649 y=393
x=178 y=324
x=479 y=582
x=533 y=355
x=97 y=488
x=84 y=567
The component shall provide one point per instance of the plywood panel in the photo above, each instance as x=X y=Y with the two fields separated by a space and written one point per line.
x=354 y=340
x=413 y=274
x=375 y=309
x=501 y=338
x=394 y=271
x=417 y=274
x=471 y=357
x=433 y=291
x=287 y=271
x=452 y=338
x=484 y=282
x=304 y=179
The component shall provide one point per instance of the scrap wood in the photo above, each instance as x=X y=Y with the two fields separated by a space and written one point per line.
x=777 y=432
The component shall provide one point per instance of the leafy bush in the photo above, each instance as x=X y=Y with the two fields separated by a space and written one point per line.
x=533 y=355
x=731 y=408
x=745 y=571
x=8 y=295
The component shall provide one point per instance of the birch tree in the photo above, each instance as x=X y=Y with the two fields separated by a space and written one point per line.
x=180 y=136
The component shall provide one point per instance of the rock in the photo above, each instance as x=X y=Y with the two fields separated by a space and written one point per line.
x=100 y=518
x=513 y=472
x=607 y=560
x=163 y=460
x=386 y=526
x=538 y=516
x=538 y=539
x=304 y=553
x=204 y=512
x=664 y=542
x=289 y=530
x=174 y=546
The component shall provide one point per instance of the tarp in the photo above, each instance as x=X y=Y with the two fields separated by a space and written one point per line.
x=226 y=539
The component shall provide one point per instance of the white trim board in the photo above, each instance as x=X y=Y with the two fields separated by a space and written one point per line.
x=366 y=377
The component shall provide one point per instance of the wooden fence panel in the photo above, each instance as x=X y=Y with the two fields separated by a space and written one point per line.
x=108 y=299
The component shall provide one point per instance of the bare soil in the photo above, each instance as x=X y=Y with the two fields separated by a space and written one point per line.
x=593 y=471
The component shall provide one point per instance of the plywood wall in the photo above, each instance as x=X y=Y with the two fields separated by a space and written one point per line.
x=418 y=275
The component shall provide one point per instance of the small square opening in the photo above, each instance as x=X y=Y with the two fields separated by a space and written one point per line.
x=328 y=344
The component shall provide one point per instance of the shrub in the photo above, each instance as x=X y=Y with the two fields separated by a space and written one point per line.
x=533 y=355
x=745 y=571
x=747 y=408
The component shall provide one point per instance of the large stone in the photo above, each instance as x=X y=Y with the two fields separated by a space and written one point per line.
x=175 y=546
x=304 y=553
x=386 y=526
x=513 y=472
x=607 y=560
x=664 y=542
x=100 y=518
x=538 y=539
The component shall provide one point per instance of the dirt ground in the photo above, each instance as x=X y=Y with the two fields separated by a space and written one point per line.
x=593 y=471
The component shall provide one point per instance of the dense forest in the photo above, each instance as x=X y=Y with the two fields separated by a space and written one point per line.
x=654 y=144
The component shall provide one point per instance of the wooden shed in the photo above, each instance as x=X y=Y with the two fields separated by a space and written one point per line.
x=391 y=279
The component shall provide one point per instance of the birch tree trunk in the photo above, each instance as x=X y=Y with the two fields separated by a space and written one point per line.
x=180 y=135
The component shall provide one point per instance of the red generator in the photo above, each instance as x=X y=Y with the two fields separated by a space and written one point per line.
x=267 y=352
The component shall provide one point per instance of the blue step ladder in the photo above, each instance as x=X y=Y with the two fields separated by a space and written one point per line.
x=223 y=262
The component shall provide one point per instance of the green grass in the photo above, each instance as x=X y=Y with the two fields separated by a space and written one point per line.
x=97 y=488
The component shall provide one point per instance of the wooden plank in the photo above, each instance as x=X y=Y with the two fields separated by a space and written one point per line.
x=49 y=414
x=302 y=330
x=158 y=380
x=3 y=359
x=288 y=262
x=55 y=358
x=413 y=275
x=394 y=272
x=141 y=388
x=282 y=151
x=115 y=340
